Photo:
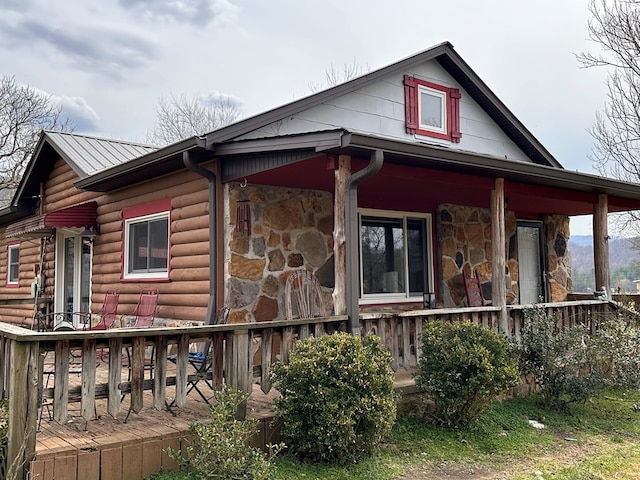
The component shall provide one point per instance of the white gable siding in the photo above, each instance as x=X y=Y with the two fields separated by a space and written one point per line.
x=378 y=109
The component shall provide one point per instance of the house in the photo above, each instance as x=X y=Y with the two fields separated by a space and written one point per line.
x=389 y=187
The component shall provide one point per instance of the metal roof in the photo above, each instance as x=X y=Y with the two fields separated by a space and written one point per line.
x=90 y=155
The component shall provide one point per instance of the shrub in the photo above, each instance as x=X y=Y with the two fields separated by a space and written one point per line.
x=571 y=365
x=462 y=368
x=220 y=447
x=4 y=419
x=337 y=397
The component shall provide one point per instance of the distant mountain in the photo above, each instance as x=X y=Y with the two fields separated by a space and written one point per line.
x=624 y=262
x=621 y=251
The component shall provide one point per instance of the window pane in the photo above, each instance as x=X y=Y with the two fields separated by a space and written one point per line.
x=158 y=243
x=138 y=246
x=383 y=260
x=148 y=246
x=14 y=264
x=431 y=110
x=416 y=250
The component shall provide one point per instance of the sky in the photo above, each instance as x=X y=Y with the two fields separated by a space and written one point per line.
x=108 y=62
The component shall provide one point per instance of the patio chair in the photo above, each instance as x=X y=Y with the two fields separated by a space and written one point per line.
x=107 y=313
x=303 y=296
x=201 y=361
x=145 y=311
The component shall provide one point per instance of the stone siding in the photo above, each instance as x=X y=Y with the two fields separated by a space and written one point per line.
x=290 y=229
x=558 y=257
x=464 y=239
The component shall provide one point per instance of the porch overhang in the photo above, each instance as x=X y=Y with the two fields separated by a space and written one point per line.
x=42 y=225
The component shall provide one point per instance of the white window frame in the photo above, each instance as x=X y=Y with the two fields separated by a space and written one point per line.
x=10 y=281
x=401 y=297
x=442 y=95
x=160 y=274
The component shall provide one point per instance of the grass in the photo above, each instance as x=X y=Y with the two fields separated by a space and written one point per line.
x=595 y=441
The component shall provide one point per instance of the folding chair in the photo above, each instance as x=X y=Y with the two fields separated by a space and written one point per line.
x=201 y=361
x=145 y=311
x=107 y=313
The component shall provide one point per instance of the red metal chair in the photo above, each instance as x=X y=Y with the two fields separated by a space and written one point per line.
x=107 y=313
x=145 y=311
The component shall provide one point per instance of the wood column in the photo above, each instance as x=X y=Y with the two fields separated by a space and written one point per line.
x=23 y=406
x=342 y=173
x=498 y=261
x=601 y=244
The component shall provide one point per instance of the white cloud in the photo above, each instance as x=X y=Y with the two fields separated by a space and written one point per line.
x=196 y=12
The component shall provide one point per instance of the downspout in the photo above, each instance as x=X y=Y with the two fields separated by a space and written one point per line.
x=352 y=234
x=213 y=240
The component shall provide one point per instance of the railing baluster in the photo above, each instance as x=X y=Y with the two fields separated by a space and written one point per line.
x=265 y=359
x=160 y=373
x=88 y=401
x=182 y=363
x=61 y=381
x=114 y=399
x=137 y=374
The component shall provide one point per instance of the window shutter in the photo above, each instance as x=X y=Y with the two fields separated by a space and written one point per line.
x=410 y=104
x=454 y=99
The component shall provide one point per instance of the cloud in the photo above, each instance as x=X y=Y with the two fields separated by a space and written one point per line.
x=197 y=12
x=218 y=98
x=83 y=117
x=93 y=48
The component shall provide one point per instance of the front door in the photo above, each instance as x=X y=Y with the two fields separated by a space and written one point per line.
x=73 y=273
x=530 y=270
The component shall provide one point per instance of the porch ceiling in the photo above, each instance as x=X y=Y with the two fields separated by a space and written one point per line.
x=409 y=188
x=419 y=177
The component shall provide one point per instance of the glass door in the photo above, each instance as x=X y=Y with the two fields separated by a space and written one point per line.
x=73 y=274
x=530 y=269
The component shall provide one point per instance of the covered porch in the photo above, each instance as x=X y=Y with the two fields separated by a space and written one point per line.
x=84 y=386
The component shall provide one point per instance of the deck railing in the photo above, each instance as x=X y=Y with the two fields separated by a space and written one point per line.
x=242 y=355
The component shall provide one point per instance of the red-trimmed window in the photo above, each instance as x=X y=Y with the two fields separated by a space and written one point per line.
x=146 y=241
x=13 y=264
x=432 y=110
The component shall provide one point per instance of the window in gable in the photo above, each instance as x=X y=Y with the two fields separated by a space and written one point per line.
x=432 y=110
x=13 y=264
x=146 y=241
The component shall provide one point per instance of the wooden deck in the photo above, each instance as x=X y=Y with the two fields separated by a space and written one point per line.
x=107 y=448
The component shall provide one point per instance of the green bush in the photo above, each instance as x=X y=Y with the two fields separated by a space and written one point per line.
x=4 y=419
x=462 y=368
x=220 y=447
x=571 y=365
x=337 y=397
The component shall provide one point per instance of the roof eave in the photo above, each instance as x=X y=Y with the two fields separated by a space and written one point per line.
x=162 y=161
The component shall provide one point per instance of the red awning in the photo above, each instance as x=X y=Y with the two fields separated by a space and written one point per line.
x=41 y=226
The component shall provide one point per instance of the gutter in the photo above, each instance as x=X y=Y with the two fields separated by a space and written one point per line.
x=351 y=221
x=213 y=239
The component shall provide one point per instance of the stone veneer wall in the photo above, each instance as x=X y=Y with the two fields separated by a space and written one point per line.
x=290 y=229
x=464 y=239
x=558 y=257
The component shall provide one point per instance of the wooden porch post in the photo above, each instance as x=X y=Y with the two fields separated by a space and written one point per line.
x=342 y=173
x=23 y=406
x=498 y=263
x=601 y=244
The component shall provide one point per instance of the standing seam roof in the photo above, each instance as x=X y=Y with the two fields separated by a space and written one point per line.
x=90 y=155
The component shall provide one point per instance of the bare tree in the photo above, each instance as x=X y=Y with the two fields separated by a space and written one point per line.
x=24 y=113
x=334 y=76
x=615 y=26
x=180 y=117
